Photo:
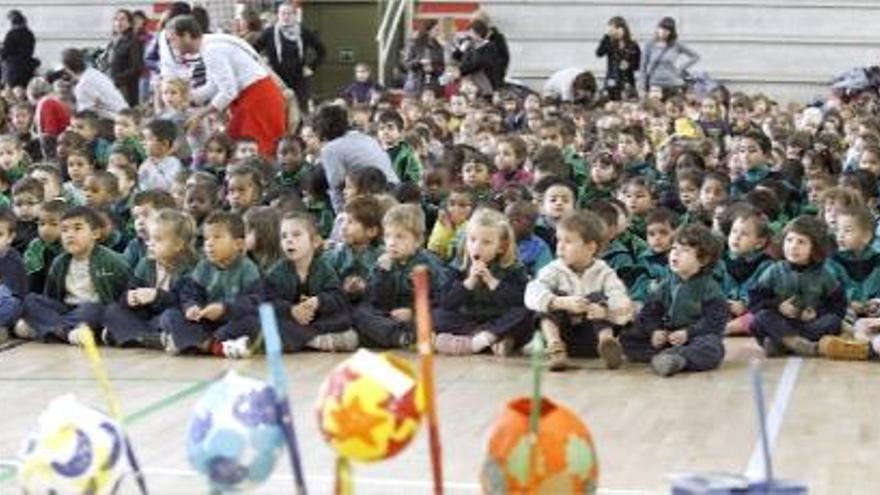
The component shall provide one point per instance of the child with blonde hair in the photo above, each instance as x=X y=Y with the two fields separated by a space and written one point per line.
x=482 y=304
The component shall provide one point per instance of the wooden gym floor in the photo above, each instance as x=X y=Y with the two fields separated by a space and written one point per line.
x=825 y=415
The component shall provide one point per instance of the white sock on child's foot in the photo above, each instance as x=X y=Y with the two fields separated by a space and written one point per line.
x=482 y=341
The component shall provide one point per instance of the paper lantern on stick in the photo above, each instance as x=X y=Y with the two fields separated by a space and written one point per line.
x=234 y=436
x=370 y=406
x=564 y=456
x=74 y=449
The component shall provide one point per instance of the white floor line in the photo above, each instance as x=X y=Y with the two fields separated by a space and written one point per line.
x=363 y=480
x=755 y=469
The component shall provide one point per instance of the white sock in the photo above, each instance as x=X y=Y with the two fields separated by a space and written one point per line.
x=482 y=340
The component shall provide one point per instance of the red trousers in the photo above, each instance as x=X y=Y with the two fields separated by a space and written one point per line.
x=259 y=113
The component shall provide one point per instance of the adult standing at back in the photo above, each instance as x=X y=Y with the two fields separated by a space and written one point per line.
x=344 y=149
x=293 y=51
x=497 y=39
x=424 y=60
x=124 y=57
x=238 y=83
x=660 y=68
x=478 y=59
x=17 y=53
x=623 y=60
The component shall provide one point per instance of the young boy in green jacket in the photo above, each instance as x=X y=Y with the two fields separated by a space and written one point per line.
x=81 y=281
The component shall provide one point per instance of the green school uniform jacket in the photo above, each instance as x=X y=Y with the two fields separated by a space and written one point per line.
x=285 y=289
x=237 y=286
x=323 y=214
x=390 y=289
x=696 y=304
x=406 y=163
x=653 y=269
x=812 y=286
x=858 y=272
x=590 y=192
x=108 y=270
x=578 y=165
x=622 y=256
x=740 y=273
x=346 y=262
x=146 y=275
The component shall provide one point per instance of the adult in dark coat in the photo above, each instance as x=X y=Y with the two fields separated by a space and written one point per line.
x=17 y=53
x=497 y=39
x=479 y=59
x=624 y=58
x=125 y=57
x=424 y=60
x=294 y=52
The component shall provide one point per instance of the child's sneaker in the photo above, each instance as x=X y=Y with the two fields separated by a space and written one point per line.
x=346 y=341
x=77 y=335
x=453 y=345
x=772 y=349
x=503 y=347
x=167 y=341
x=668 y=363
x=236 y=348
x=557 y=356
x=482 y=340
x=800 y=346
x=611 y=352
x=106 y=337
x=24 y=331
x=834 y=347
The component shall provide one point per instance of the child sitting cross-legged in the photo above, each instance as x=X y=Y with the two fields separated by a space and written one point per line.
x=681 y=325
x=857 y=265
x=42 y=250
x=154 y=287
x=386 y=318
x=578 y=296
x=482 y=304
x=354 y=257
x=218 y=297
x=13 y=278
x=797 y=301
x=307 y=293
x=81 y=281
x=742 y=265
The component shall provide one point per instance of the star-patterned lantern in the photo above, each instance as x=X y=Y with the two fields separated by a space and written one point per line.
x=370 y=406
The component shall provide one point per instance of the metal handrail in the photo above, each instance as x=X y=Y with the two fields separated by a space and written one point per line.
x=384 y=36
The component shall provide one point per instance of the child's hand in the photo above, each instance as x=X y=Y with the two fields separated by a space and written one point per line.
x=212 y=312
x=571 y=304
x=596 y=311
x=486 y=276
x=808 y=315
x=445 y=220
x=302 y=313
x=659 y=338
x=788 y=309
x=193 y=313
x=866 y=326
x=678 y=337
x=384 y=262
x=736 y=308
x=873 y=307
x=858 y=307
x=354 y=285
x=402 y=314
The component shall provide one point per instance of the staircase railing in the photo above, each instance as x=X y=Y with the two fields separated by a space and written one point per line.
x=393 y=12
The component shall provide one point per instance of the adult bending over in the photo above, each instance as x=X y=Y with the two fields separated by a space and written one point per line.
x=238 y=82
x=660 y=68
x=94 y=90
x=345 y=149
